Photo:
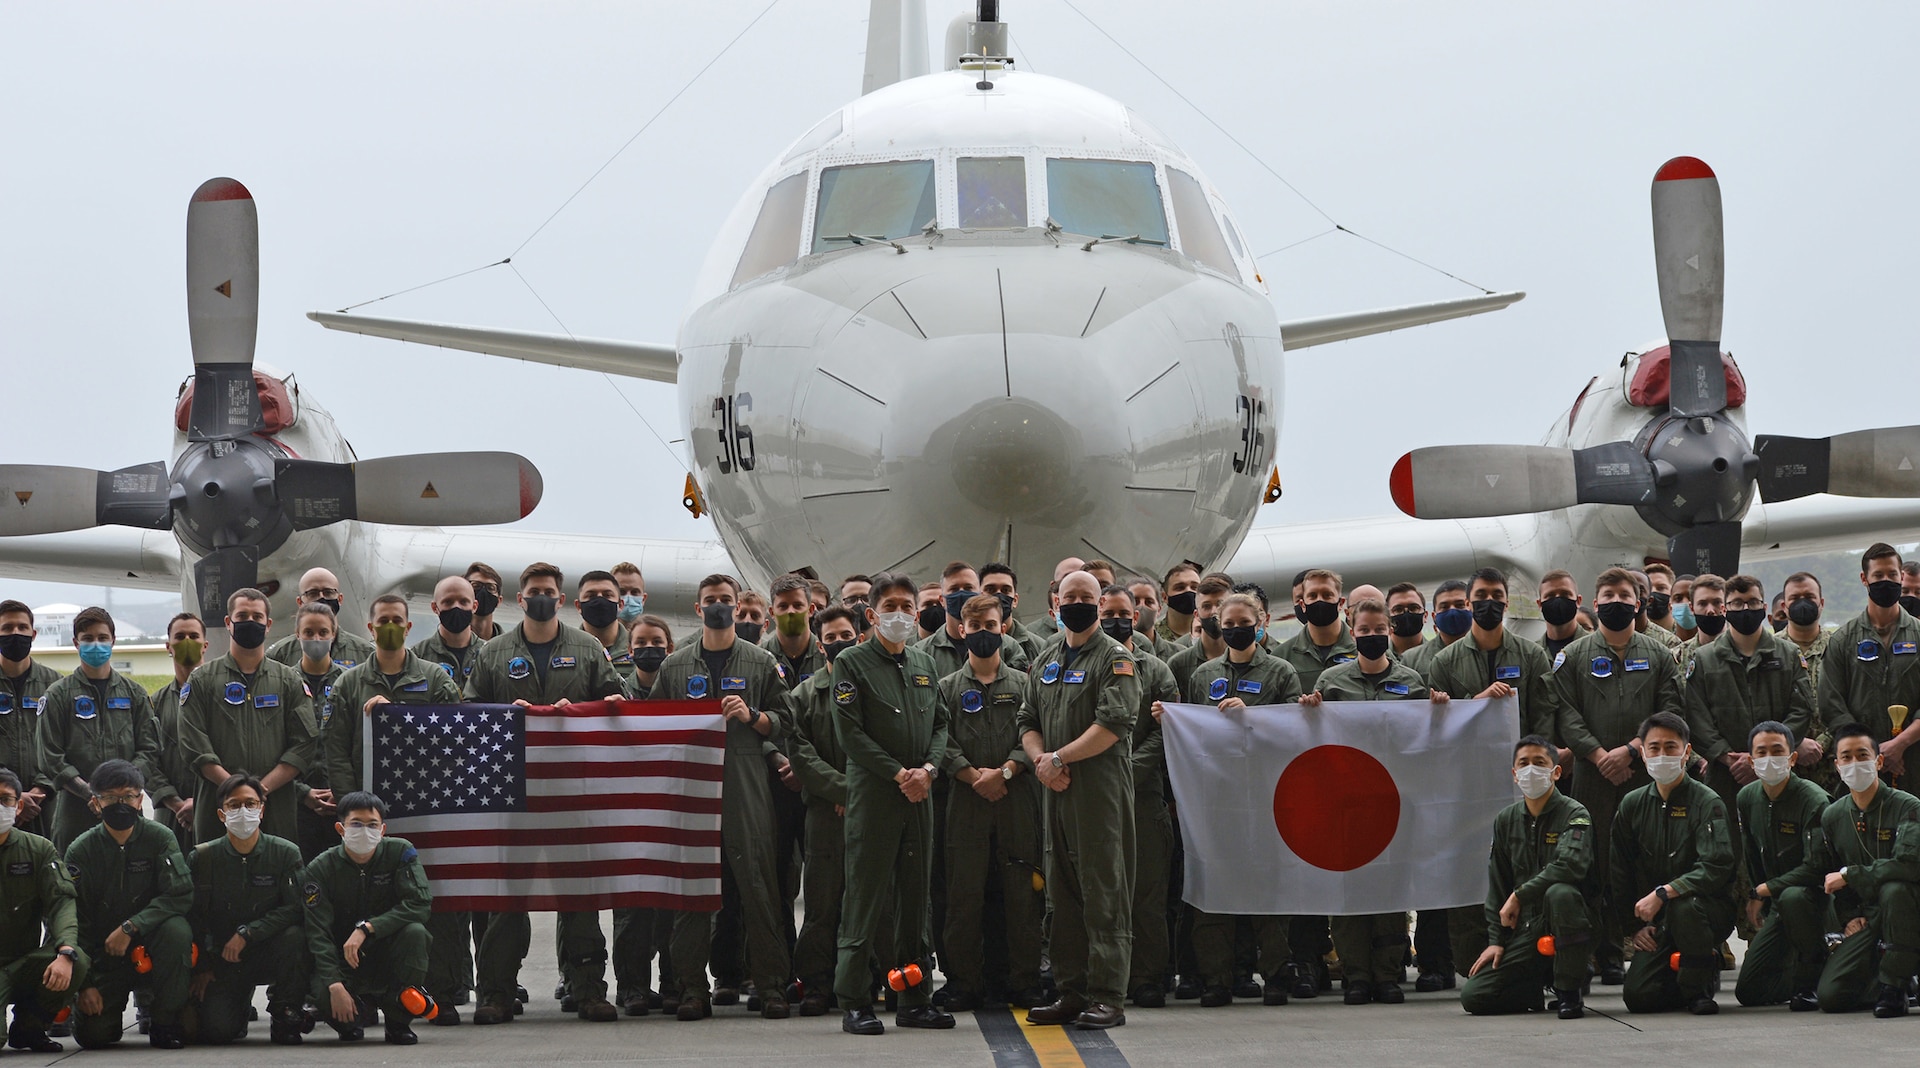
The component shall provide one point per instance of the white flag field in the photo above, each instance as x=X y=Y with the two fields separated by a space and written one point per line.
x=1348 y=809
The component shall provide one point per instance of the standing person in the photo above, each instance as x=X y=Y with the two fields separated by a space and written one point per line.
x=1877 y=662
x=1803 y=604
x=488 y=588
x=1077 y=727
x=41 y=970
x=453 y=642
x=1205 y=643
x=1870 y=850
x=1121 y=616
x=173 y=788
x=822 y=767
x=93 y=715
x=1559 y=602
x=23 y=688
x=317 y=629
x=1660 y=598
x=1780 y=820
x=1179 y=591
x=888 y=722
x=1407 y=613
x=639 y=935
x=999 y=580
x=1452 y=618
x=597 y=599
x=246 y=920
x=369 y=962
x=321 y=586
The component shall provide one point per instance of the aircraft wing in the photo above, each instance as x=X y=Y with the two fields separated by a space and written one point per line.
x=1822 y=523
x=1383 y=550
x=98 y=556
x=1304 y=333
x=657 y=363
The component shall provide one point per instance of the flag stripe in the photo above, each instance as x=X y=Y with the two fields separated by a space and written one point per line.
x=584 y=724
x=622 y=769
x=711 y=739
x=630 y=899
x=595 y=754
x=570 y=869
x=533 y=838
x=563 y=787
x=577 y=802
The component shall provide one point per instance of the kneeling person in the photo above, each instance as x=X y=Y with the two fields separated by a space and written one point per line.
x=39 y=973
x=1780 y=820
x=246 y=921
x=1870 y=846
x=367 y=905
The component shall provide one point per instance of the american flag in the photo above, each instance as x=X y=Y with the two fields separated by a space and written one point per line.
x=591 y=806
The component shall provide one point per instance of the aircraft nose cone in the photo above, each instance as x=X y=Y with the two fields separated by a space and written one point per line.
x=1012 y=457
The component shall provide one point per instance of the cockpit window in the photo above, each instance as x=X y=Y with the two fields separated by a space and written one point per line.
x=1199 y=235
x=1105 y=197
x=993 y=192
x=775 y=239
x=880 y=200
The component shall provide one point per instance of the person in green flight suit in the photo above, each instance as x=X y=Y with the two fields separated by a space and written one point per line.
x=1780 y=819
x=999 y=579
x=40 y=962
x=172 y=787
x=453 y=643
x=320 y=586
x=1122 y=617
x=92 y=715
x=23 y=688
x=246 y=922
x=367 y=903
x=1874 y=663
x=822 y=767
x=641 y=935
x=1870 y=850
x=317 y=629
x=1804 y=603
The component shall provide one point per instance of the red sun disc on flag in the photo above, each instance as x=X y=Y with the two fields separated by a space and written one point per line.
x=1336 y=807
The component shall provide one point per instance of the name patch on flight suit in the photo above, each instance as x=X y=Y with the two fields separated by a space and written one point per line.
x=1904 y=648
x=697 y=686
x=1005 y=699
x=1076 y=677
x=384 y=878
x=263 y=879
x=236 y=693
x=1552 y=838
x=1678 y=812
x=1883 y=834
x=1506 y=672
x=20 y=867
x=1217 y=689
x=844 y=693
x=83 y=708
x=1867 y=651
x=1637 y=665
x=733 y=684
x=1250 y=686
x=411 y=687
x=1399 y=688
x=1602 y=667
x=519 y=667
x=1346 y=658
x=139 y=865
x=971 y=701
x=31 y=704
x=270 y=700
x=1771 y=663
x=1051 y=673
x=1789 y=828
x=561 y=662
x=922 y=680
x=120 y=703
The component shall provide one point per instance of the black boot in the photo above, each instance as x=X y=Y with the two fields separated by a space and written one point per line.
x=1891 y=1002
x=1572 y=1006
x=862 y=1021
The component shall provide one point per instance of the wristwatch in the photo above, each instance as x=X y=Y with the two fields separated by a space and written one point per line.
x=1057 y=762
x=1660 y=892
x=68 y=952
x=366 y=926
x=932 y=772
x=241 y=930
x=128 y=929
x=1006 y=772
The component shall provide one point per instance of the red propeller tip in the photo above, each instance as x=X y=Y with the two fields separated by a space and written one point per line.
x=1680 y=167
x=529 y=488
x=220 y=189
x=1400 y=484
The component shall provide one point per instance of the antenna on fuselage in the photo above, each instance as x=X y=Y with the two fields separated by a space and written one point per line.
x=979 y=43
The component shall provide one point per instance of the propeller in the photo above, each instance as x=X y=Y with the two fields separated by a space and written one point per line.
x=235 y=494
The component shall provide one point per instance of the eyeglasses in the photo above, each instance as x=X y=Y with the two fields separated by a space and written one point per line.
x=487 y=586
x=1408 y=610
x=237 y=805
x=320 y=591
x=122 y=797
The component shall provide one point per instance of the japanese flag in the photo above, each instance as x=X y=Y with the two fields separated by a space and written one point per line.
x=1351 y=808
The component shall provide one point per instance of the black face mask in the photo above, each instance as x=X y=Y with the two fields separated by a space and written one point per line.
x=1746 y=620
x=1183 y=603
x=1911 y=604
x=599 y=612
x=834 y=649
x=648 y=658
x=1778 y=625
x=1559 y=611
x=540 y=607
x=16 y=647
x=1006 y=605
x=485 y=602
x=456 y=620
x=330 y=602
x=248 y=633
x=1320 y=613
x=1119 y=628
x=1408 y=624
x=1659 y=604
x=983 y=643
x=1210 y=627
x=717 y=616
x=1711 y=626
x=932 y=617
x=1078 y=616
x=1488 y=614
x=1239 y=637
x=1803 y=612
x=956 y=602
x=119 y=817
x=1885 y=593
x=1617 y=615
x=749 y=632
x=1372 y=646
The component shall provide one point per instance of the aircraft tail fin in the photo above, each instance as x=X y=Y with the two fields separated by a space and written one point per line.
x=896 y=43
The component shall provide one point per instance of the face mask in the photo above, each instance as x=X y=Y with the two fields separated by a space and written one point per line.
x=248 y=633
x=1885 y=593
x=632 y=606
x=1147 y=618
x=1658 y=605
x=1617 y=615
x=485 y=602
x=456 y=620
x=330 y=602
x=1747 y=620
x=1006 y=605
x=1079 y=616
x=1320 y=613
x=648 y=658
x=1372 y=646
x=599 y=612
x=790 y=624
x=1182 y=603
x=186 y=652
x=1711 y=626
x=1119 y=629
x=1239 y=638
x=716 y=616
x=242 y=822
x=896 y=627
x=932 y=618
x=1210 y=626
x=1683 y=616
x=16 y=647
x=1408 y=624
x=7 y=813
x=983 y=643
x=1666 y=769
x=1772 y=769
x=1859 y=775
x=1803 y=612
x=539 y=607
x=1534 y=780
x=749 y=632
x=390 y=637
x=96 y=654
x=1453 y=622
x=1489 y=613
x=1911 y=605
x=360 y=840
x=956 y=601
x=834 y=649
x=1778 y=625
x=1559 y=611
x=316 y=649
x=119 y=816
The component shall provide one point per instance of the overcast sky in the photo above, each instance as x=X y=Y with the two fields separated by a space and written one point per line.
x=392 y=144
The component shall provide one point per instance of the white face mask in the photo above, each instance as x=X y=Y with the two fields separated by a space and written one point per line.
x=1666 y=769
x=7 y=813
x=1859 y=775
x=897 y=627
x=360 y=840
x=241 y=822
x=1773 y=770
x=1534 y=780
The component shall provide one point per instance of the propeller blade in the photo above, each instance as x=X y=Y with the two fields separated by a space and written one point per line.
x=41 y=499
x=426 y=489
x=1689 y=261
x=218 y=574
x=223 y=309
x=1864 y=463
x=1467 y=481
x=137 y=496
x=1706 y=549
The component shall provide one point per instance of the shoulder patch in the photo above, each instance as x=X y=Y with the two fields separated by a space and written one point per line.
x=1123 y=667
x=310 y=893
x=410 y=855
x=845 y=692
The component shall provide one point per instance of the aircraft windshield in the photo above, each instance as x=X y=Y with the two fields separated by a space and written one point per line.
x=1105 y=197
x=992 y=192
x=1199 y=235
x=776 y=233
x=882 y=200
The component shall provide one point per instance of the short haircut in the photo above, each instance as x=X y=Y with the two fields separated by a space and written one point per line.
x=11 y=607
x=1490 y=575
x=1300 y=577
x=1118 y=589
x=244 y=593
x=92 y=617
x=717 y=579
x=1665 y=721
x=1877 y=551
x=1215 y=586
x=1323 y=575
x=596 y=576
x=1533 y=741
x=1100 y=565
x=956 y=567
x=1255 y=589
x=929 y=587
x=1367 y=604
x=1709 y=582
x=751 y=597
x=1658 y=568
x=976 y=608
x=856 y=578
x=484 y=570
x=542 y=569
x=1854 y=730
x=625 y=567
x=1556 y=575
x=1911 y=567
x=1449 y=586
x=315 y=608
x=888 y=581
x=388 y=598
x=1399 y=588
x=1772 y=726
x=1797 y=576
x=8 y=778
x=1618 y=576
x=360 y=801
x=1184 y=565
x=788 y=583
x=183 y=617
x=998 y=568
x=816 y=588
x=835 y=613
x=115 y=775
x=1745 y=584
x=234 y=782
